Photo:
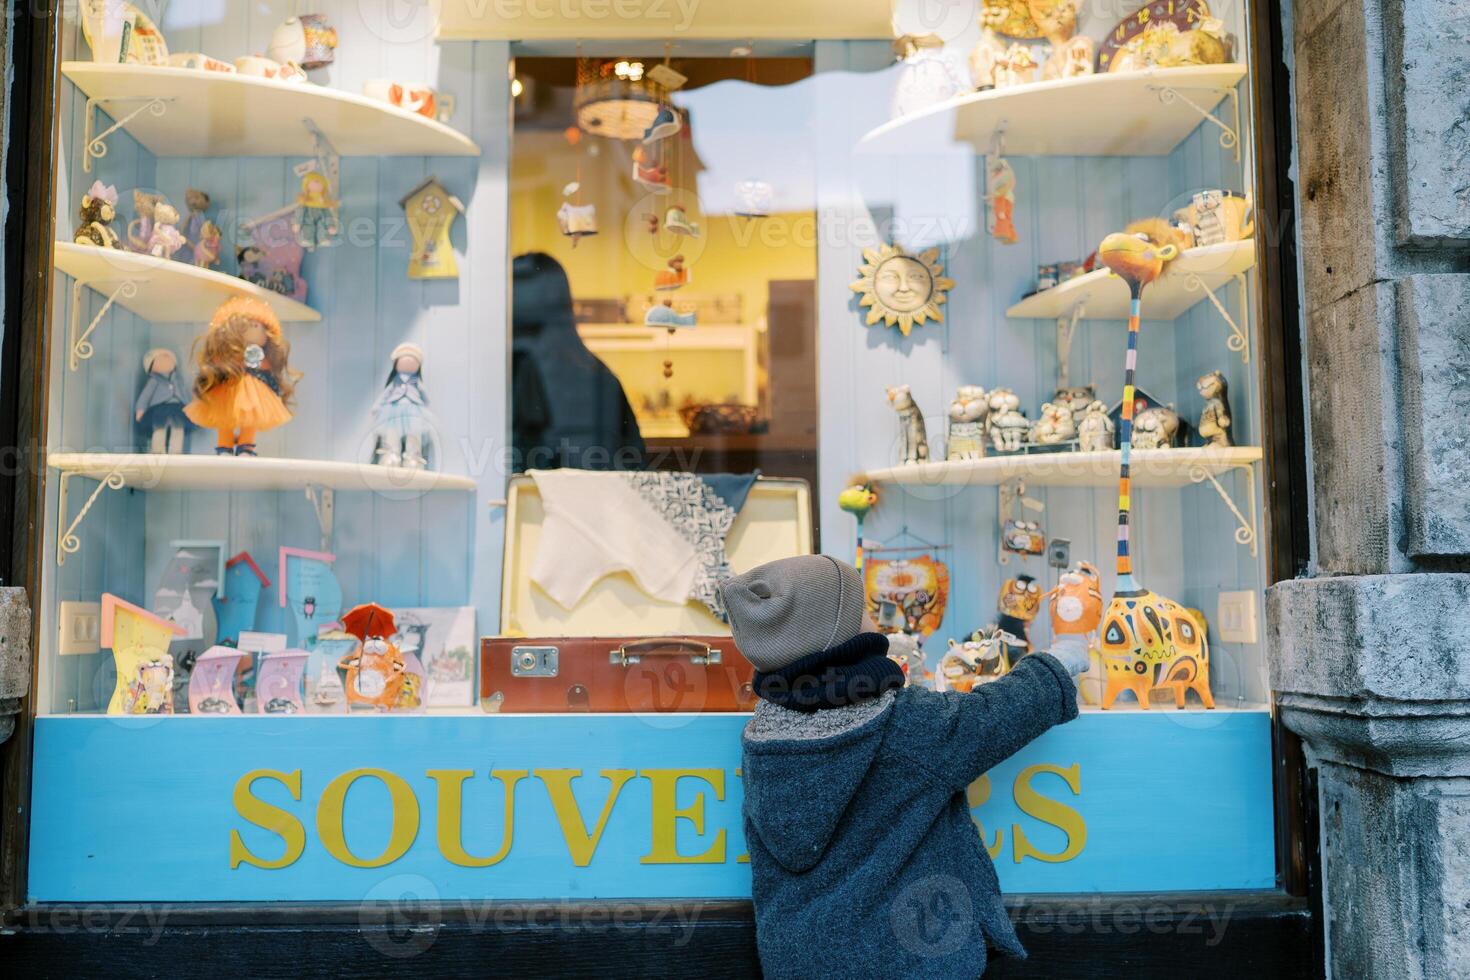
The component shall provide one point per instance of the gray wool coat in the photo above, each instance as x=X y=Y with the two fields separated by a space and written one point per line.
x=864 y=860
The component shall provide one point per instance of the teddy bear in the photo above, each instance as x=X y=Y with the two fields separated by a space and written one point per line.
x=967 y=413
x=1054 y=426
x=1095 y=431
x=165 y=239
x=1155 y=428
x=99 y=208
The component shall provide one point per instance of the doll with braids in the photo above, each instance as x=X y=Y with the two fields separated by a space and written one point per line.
x=245 y=383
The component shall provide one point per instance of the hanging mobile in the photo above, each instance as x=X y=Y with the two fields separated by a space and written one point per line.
x=1018 y=534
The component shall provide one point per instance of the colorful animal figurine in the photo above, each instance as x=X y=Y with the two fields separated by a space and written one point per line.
x=1156 y=428
x=1214 y=420
x=905 y=650
x=913 y=439
x=376 y=670
x=1095 y=431
x=1146 y=640
x=1055 y=425
x=98 y=211
x=1019 y=602
x=857 y=499
x=983 y=658
x=967 y=414
x=1076 y=602
x=245 y=382
x=159 y=410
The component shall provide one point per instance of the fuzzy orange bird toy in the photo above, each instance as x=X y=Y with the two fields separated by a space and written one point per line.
x=1148 y=641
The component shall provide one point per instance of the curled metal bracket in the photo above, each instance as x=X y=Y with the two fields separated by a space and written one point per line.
x=1229 y=135
x=1066 y=330
x=1245 y=531
x=67 y=542
x=81 y=346
x=94 y=144
x=1238 y=340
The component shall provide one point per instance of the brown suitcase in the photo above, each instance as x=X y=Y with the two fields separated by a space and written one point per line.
x=662 y=673
x=619 y=650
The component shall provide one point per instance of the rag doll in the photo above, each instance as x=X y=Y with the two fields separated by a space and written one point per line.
x=1214 y=421
x=402 y=424
x=966 y=437
x=913 y=440
x=159 y=410
x=315 y=222
x=245 y=383
x=99 y=208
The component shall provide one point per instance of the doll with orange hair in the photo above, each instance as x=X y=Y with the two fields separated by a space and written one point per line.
x=244 y=382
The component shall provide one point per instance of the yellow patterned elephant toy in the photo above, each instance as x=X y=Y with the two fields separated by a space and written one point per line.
x=1151 y=643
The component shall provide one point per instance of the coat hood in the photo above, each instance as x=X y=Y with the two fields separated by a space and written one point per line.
x=801 y=771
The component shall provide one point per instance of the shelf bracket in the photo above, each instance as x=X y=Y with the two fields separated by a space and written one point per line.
x=1066 y=330
x=1245 y=531
x=81 y=346
x=1238 y=340
x=94 y=144
x=67 y=542
x=1229 y=135
x=322 y=501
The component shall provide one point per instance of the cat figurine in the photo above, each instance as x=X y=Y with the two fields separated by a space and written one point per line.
x=1096 y=430
x=1155 y=428
x=967 y=414
x=1214 y=421
x=1076 y=398
x=1055 y=425
x=913 y=440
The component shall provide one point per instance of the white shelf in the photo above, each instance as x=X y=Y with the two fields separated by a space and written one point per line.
x=167 y=291
x=1103 y=296
x=146 y=471
x=1143 y=113
x=1148 y=468
x=216 y=114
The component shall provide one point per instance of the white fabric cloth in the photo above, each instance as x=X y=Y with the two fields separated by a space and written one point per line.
x=597 y=524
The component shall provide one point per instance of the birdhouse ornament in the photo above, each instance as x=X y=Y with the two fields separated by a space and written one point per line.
x=431 y=211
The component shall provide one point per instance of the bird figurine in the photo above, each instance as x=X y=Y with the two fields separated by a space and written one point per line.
x=1147 y=641
x=857 y=500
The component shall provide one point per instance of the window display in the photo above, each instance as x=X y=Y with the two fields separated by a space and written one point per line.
x=470 y=371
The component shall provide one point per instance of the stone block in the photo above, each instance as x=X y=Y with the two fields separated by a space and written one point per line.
x=1434 y=361
x=1397 y=880
x=15 y=655
x=1428 y=74
x=1355 y=459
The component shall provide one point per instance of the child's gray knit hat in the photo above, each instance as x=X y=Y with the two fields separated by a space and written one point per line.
x=788 y=609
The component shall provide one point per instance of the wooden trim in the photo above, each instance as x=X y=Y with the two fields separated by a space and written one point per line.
x=1210 y=934
x=30 y=169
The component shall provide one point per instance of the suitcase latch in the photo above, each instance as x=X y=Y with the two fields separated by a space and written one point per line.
x=633 y=653
x=533 y=661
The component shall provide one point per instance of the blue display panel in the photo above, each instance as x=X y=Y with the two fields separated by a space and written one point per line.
x=312 y=809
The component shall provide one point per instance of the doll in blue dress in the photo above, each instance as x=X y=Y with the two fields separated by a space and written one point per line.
x=159 y=410
x=403 y=426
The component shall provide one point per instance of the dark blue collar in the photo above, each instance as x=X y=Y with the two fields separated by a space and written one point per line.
x=847 y=674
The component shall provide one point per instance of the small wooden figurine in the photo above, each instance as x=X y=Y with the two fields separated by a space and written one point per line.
x=159 y=410
x=431 y=211
x=245 y=383
x=1095 y=431
x=98 y=210
x=1214 y=420
x=967 y=414
x=913 y=439
x=1071 y=53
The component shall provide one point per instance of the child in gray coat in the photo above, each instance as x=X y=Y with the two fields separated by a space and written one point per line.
x=864 y=860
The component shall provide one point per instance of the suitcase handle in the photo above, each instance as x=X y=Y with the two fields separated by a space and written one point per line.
x=632 y=653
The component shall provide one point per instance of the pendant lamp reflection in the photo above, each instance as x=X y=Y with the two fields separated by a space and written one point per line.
x=753 y=199
x=616 y=99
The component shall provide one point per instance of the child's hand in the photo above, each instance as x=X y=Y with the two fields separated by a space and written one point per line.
x=1072 y=652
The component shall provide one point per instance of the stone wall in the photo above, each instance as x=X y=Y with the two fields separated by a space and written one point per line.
x=1371 y=652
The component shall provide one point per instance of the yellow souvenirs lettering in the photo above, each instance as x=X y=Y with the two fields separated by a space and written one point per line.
x=580 y=844
x=267 y=817
x=1047 y=810
x=403 y=810
x=667 y=814
x=975 y=797
x=450 y=818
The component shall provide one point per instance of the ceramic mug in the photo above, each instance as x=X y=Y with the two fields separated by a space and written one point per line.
x=416 y=97
x=196 y=61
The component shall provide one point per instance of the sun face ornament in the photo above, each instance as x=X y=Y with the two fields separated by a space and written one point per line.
x=901 y=289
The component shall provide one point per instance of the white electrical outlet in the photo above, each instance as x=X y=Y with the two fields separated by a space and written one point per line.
x=1235 y=618
x=81 y=627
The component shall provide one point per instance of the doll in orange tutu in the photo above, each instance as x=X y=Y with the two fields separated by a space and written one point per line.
x=244 y=382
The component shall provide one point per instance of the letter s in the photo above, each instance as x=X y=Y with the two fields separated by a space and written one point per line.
x=267 y=817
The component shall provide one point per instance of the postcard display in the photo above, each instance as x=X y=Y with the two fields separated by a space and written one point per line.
x=319 y=530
